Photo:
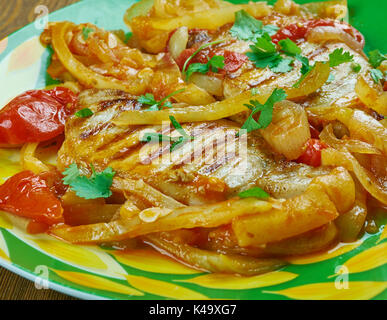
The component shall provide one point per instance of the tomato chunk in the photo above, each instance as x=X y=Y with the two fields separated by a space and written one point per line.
x=312 y=153
x=233 y=61
x=36 y=116
x=28 y=195
x=298 y=31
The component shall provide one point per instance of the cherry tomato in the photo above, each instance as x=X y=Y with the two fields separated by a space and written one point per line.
x=186 y=53
x=385 y=86
x=298 y=31
x=36 y=115
x=314 y=132
x=28 y=195
x=312 y=153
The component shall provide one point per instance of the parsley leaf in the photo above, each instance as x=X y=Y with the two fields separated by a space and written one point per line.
x=86 y=31
x=356 y=67
x=376 y=75
x=176 y=142
x=255 y=192
x=254 y=91
x=128 y=35
x=97 y=186
x=264 y=54
x=289 y=47
x=270 y=29
x=376 y=58
x=247 y=28
x=266 y=110
x=338 y=57
x=186 y=63
x=214 y=64
x=149 y=99
x=284 y=65
x=84 y=113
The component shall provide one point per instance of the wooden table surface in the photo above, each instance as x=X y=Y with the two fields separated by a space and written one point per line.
x=15 y=14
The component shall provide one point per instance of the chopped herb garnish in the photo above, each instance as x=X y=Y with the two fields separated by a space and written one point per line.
x=84 y=113
x=339 y=57
x=255 y=192
x=196 y=52
x=247 y=28
x=176 y=142
x=265 y=109
x=376 y=58
x=149 y=99
x=356 y=67
x=214 y=64
x=128 y=35
x=336 y=58
x=284 y=65
x=376 y=75
x=303 y=76
x=264 y=53
x=97 y=186
x=86 y=31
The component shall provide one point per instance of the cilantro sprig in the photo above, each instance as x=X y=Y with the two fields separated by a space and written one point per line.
x=86 y=31
x=186 y=63
x=376 y=75
x=266 y=112
x=214 y=64
x=97 y=186
x=336 y=58
x=255 y=192
x=247 y=28
x=176 y=142
x=149 y=99
x=264 y=54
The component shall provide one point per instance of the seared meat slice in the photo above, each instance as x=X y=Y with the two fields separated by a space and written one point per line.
x=214 y=166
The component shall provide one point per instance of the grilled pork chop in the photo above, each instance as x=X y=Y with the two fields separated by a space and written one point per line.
x=213 y=166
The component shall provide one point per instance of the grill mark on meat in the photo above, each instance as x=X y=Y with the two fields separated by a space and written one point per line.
x=119 y=137
x=317 y=52
x=94 y=131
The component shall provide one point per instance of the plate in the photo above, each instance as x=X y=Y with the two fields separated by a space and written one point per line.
x=351 y=271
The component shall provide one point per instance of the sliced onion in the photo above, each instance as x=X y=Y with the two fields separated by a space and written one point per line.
x=211 y=84
x=324 y=34
x=178 y=42
x=225 y=108
x=360 y=125
x=372 y=96
x=289 y=130
x=352 y=145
